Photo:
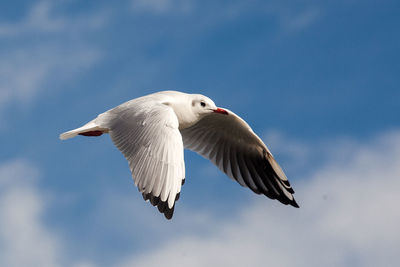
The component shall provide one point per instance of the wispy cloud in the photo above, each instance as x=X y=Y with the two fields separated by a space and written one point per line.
x=24 y=239
x=302 y=20
x=162 y=6
x=24 y=72
x=348 y=216
x=300 y=157
x=41 y=47
x=289 y=17
x=41 y=18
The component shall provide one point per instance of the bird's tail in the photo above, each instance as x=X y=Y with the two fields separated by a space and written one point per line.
x=92 y=128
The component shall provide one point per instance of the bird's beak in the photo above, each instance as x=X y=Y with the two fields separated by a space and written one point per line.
x=221 y=111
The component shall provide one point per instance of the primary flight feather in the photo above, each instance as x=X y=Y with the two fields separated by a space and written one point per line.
x=151 y=132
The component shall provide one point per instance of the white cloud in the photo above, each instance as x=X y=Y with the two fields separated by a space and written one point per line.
x=24 y=239
x=348 y=217
x=43 y=48
x=41 y=18
x=24 y=72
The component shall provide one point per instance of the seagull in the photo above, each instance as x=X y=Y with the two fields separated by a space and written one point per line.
x=152 y=131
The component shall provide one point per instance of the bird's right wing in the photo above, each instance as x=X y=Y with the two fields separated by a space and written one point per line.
x=229 y=142
x=147 y=134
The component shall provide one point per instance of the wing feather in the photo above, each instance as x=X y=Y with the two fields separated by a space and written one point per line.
x=147 y=134
x=220 y=154
x=245 y=173
x=254 y=175
x=230 y=143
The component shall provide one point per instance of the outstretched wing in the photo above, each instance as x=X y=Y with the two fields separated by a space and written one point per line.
x=230 y=143
x=146 y=132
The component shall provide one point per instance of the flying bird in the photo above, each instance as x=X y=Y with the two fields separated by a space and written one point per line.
x=152 y=131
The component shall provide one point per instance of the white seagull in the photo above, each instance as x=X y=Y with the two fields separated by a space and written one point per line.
x=151 y=132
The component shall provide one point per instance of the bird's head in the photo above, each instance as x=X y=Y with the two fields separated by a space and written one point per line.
x=203 y=105
x=192 y=108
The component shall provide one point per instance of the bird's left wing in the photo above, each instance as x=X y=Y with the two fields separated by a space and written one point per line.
x=146 y=132
x=229 y=142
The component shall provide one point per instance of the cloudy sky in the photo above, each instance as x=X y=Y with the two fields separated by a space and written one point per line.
x=317 y=80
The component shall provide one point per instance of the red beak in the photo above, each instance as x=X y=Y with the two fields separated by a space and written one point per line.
x=221 y=111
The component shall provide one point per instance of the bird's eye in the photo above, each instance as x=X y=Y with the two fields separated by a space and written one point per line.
x=203 y=104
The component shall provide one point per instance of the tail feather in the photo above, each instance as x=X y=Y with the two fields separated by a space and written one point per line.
x=88 y=129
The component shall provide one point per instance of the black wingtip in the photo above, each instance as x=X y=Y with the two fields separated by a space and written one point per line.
x=154 y=200
x=294 y=204
x=169 y=212
x=162 y=206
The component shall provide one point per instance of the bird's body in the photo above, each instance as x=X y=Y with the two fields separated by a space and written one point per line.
x=152 y=131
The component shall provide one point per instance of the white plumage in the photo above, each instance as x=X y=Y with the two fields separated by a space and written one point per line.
x=151 y=132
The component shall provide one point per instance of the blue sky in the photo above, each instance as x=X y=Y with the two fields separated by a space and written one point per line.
x=317 y=80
